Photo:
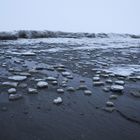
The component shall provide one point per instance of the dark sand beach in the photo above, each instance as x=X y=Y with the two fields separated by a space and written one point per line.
x=97 y=80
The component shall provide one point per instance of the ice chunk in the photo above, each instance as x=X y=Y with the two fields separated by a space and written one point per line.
x=58 y=100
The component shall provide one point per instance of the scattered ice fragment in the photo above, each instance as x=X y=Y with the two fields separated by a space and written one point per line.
x=12 y=84
x=60 y=90
x=4 y=65
x=113 y=96
x=12 y=90
x=105 y=75
x=25 y=74
x=33 y=70
x=54 y=82
x=72 y=89
x=82 y=87
x=28 y=53
x=64 y=85
x=98 y=72
x=66 y=73
x=50 y=68
x=110 y=104
x=42 y=84
x=38 y=80
x=136 y=94
x=98 y=83
x=87 y=92
x=32 y=91
x=65 y=79
x=64 y=82
x=109 y=109
x=58 y=100
x=60 y=66
x=96 y=78
x=118 y=88
x=17 y=78
x=61 y=69
x=13 y=97
x=120 y=82
x=109 y=81
x=51 y=79
x=138 y=77
x=70 y=77
x=106 y=89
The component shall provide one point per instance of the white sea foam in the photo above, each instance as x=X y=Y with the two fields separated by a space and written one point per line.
x=125 y=70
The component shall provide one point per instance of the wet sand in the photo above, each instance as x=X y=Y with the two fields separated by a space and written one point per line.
x=79 y=116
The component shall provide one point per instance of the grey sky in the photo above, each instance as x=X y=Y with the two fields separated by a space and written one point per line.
x=120 y=16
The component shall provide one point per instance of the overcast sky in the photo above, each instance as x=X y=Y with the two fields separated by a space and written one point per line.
x=120 y=16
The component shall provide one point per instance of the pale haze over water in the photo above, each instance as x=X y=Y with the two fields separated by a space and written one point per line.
x=119 y=16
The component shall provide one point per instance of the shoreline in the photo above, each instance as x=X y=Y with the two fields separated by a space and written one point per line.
x=90 y=106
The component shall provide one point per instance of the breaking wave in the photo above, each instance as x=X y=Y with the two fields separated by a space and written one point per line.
x=30 y=34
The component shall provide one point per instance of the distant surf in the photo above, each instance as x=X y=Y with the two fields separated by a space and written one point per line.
x=32 y=34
